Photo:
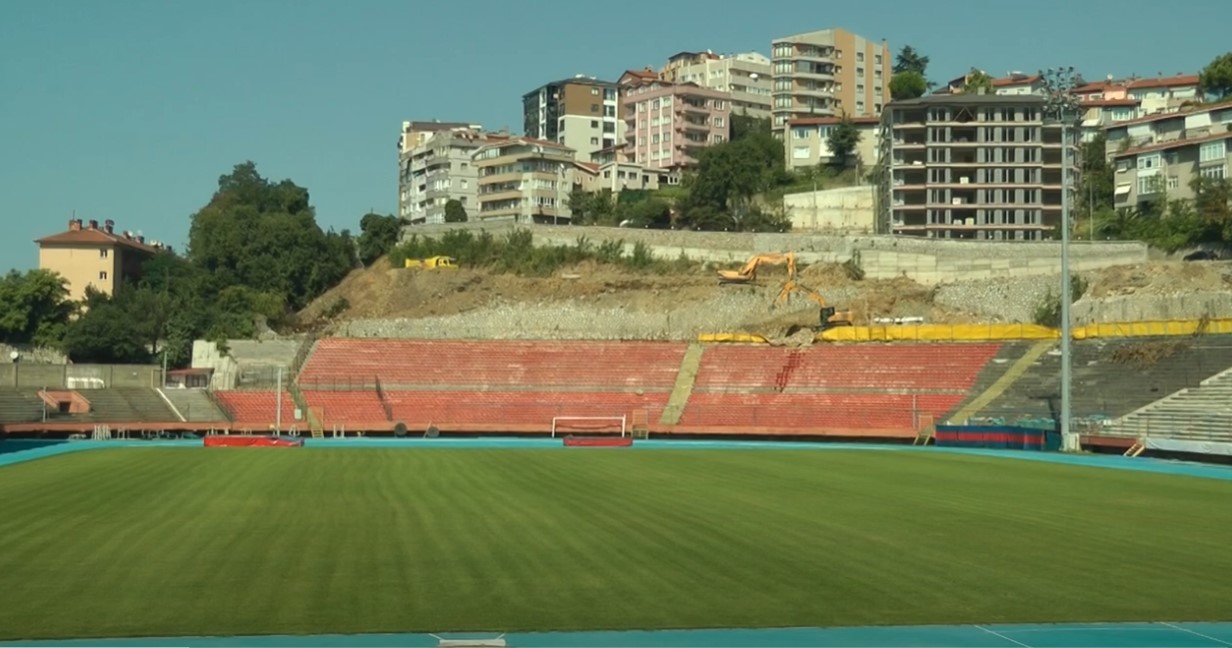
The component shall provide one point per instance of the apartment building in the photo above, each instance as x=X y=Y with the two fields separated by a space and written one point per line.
x=1160 y=155
x=434 y=167
x=667 y=124
x=580 y=113
x=523 y=179
x=745 y=76
x=808 y=145
x=90 y=255
x=1098 y=114
x=829 y=73
x=621 y=175
x=970 y=166
x=1154 y=95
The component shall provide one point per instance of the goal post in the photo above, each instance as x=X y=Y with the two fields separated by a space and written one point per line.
x=564 y=425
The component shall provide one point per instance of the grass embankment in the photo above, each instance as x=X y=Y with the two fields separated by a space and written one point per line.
x=181 y=542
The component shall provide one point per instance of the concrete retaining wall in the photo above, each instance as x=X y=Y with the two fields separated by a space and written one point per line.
x=1143 y=308
x=247 y=363
x=78 y=376
x=928 y=261
x=835 y=211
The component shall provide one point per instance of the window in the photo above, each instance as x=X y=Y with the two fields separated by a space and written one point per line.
x=594 y=108
x=594 y=91
x=102 y=275
x=1213 y=151
x=594 y=141
x=1174 y=183
x=102 y=254
x=1122 y=114
x=594 y=123
x=800 y=133
x=1214 y=172
x=860 y=107
x=859 y=73
x=877 y=59
x=859 y=57
x=800 y=153
x=718 y=122
x=1148 y=185
x=1148 y=162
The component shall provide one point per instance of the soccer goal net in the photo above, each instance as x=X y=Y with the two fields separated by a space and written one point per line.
x=567 y=425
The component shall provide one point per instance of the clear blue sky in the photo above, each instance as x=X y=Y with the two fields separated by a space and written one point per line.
x=130 y=110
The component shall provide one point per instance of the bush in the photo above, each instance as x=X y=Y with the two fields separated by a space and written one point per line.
x=1048 y=311
x=516 y=253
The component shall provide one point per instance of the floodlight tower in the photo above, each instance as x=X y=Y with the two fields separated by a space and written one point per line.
x=1061 y=104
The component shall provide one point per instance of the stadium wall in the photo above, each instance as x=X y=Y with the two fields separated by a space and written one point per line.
x=78 y=376
x=928 y=261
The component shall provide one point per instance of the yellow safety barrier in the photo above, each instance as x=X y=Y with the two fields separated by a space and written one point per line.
x=991 y=332
x=732 y=338
x=1152 y=329
x=938 y=333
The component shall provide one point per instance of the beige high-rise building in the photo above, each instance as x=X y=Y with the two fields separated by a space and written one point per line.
x=580 y=113
x=434 y=167
x=745 y=76
x=829 y=73
x=524 y=180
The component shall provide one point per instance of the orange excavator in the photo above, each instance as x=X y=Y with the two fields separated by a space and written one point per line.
x=749 y=272
x=829 y=317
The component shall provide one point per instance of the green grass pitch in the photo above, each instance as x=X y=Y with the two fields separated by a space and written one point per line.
x=141 y=542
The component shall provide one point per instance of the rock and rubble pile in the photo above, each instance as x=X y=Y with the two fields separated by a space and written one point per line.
x=592 y=301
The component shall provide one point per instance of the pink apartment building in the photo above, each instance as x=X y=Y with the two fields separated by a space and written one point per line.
x=667 y=124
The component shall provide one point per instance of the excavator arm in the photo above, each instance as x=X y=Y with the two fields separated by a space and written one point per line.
x=748 y=273
x=829 y=317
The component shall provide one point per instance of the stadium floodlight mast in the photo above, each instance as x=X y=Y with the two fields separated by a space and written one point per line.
x=1061 y=104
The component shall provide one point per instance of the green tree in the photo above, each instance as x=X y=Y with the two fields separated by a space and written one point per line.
x=34 y=308
x=105 y=333
x=743 y=126
x=264 y=236
x=908 y=84
x=378 y=235
x=976 y=81
x=454 y=211
x=842 y=141
x=1216 y=78
x=1098 y=181
x=909 y=60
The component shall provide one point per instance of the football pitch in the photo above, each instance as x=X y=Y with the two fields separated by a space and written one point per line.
x=185 y=542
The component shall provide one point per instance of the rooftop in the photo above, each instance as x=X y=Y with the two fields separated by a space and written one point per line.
x=968 y=100
x=92 y=235
x=1171 y=144
x=829 y=121
x=1189 y=110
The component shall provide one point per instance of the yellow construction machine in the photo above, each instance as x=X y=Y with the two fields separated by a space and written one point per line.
x=749 y=272
x=432 y=263
x=829 y=317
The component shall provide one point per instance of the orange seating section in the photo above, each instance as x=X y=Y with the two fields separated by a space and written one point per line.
x=346 y=408
x=256 y=409
x=520 y=386
x=486 y=365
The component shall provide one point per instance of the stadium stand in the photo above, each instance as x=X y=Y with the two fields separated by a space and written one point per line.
x=349 y=409
x=1202 y=413
x=463 y=364
x=255 y=409
x=194 y=405
x=514 y=411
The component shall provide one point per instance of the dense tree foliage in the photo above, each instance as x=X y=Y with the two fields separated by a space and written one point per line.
x=454 y=211
x=978 y=81
x=1216 y=78
x=908 y=84
x=34 y=308
x=377 y=236
x=842 y=141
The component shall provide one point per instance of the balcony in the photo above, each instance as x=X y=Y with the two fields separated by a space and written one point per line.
x=691 y=107
x=688 y=124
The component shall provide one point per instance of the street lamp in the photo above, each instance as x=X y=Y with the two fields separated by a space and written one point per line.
x=1059 y=102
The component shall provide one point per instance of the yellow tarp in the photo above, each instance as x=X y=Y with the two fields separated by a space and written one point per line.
x=990 y=332
x=1151 y=329
x=938 y=333
x=734 y=338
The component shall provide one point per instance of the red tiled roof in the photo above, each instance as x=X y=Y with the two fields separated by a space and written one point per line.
x=641 y=75
x=829 y=121
x=589 y=166
x=1176 y=143
x=92 y=237
x=1016 y=80
x=1108 y=103
x=1165 y=82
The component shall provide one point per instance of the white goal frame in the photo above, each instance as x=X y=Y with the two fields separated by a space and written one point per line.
x=624 y=422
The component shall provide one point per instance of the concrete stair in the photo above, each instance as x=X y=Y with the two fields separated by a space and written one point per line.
x=1202 y=413
x=20 y=406
x=122 y=404
x=194 y=405
x=1104 y=389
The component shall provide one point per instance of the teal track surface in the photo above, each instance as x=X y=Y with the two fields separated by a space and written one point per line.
x=1120 y=635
